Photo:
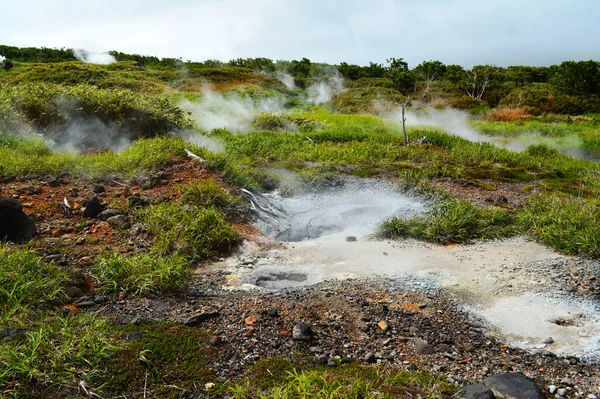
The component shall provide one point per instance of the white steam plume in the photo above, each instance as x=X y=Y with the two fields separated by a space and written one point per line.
x=82 y=135
x=287 y=80
x=91 y=57
x=2 y=58
x=323 y=91
x=201 y=140
x=234 y=112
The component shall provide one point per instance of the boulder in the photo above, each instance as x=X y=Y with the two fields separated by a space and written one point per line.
x=478 y=391
x=15 y=225
x=514 y=386
x=93 y=207
x=6 y=65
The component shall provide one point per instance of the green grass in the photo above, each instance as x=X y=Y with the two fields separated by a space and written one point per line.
x=141 y=274
x=54 y=357
x=571 y=225
x=210 y=194
x=451 y=221
x=194 y=232
x=350 y=381
x=27 y=282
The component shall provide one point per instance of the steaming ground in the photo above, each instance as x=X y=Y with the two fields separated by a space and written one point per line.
x=509 y=284
x=457 y=122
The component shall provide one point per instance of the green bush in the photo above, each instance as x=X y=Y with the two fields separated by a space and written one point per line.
x=51 y=108
x=278 y=122
x=366 y=100
x=209 y=194
x=141 y=274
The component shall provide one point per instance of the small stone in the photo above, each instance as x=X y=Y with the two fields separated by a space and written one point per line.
x=273 y=312
x=561 y=392
x=514 y=386
x=423 y=348
x=134 y=336
x=331 y=363
x=552 y=388
x=119 y=221
x=57 y=232
x=195 y=321
x=53 y=182
x=108 y=213
x=99 y=300
x=346 y=360
x=351 y=239
x=548 y=340
x=250 y=320
x=215 y=341
x=30 y=190
x=302 y=332
x=74 y=193
x=370 y=357
x=249 y=331
x=99 y=188
x=80 y=241
x=321 y=359
x=478 y=391
x=383 y=325
x=85 y=304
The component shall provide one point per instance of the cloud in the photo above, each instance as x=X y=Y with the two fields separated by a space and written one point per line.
x=466 y=32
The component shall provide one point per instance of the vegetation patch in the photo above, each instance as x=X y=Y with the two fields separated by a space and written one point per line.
x=210 y=194
x=194 y=232
x=571 y=225
x=451 y=221
x=164 y=360
x=281 y=122
x=27 y=282
x=141 y=274
x=350 y=381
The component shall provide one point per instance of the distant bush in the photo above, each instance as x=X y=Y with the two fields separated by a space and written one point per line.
x=51 y=108
x=544 y=98
x=34 y=54
x=508 y=114
x=279 y=122
x=369 y=100
x=372 y=82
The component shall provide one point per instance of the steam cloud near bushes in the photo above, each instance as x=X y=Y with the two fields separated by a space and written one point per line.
x=457 y=122
x=323 y=91
x=234 y=112
x=91 y=57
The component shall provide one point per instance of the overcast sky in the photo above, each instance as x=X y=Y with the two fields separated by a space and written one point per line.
x=465 y=32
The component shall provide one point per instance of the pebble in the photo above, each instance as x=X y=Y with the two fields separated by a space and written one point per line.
x=302 y=332
x=548 y=340
x=370 y=357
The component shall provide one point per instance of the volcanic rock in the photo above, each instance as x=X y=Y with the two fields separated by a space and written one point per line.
x=478 y=391
x=92 y=207
x=514 y=386
x=302 y=332
x=15 y=225
x=195 y=321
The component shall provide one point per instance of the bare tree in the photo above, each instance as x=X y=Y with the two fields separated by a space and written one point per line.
x=478 y=80
x=403 y=119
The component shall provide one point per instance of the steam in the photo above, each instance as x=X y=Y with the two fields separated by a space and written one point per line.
x=287 y=80
x=323 y=91
x=2 y=58
x=234 y=112
x=200 y=140
x=91 y=57
x=82 y=135
x=457 y=122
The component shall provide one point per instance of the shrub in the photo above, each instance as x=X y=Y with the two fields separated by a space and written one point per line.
x=366 y=100
x=209 y=194
x=508 y=114
x=278 y=122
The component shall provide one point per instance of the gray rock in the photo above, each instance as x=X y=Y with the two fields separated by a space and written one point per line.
x=134 y=336
x=99 y=188
x=478 y=391
x=331 y=363
x=119 y=221
x=552 y=388
x=108 y=213
x=514 y=386
x=137 y=202
x=346 y=360
x=351 y=239
x=85 y=304
x=31 y=189
x=370 y=357
x=423 y=348
x=548 y=340
x=195 y=321
x=562 y=392
x=302 y=332
x=273 y=312
x=15 y=225
x=92 y=207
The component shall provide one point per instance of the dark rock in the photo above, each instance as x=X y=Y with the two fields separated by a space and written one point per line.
x=30 y=190
x=478 y=391
x=15 y=225
x=351 y=239
x=302 y=332
x=134 y=336
x=514 y=386
x=137 y=202
x=119 y=221
x=99 y=188
x=195 y=321
x=423 y=348
x=53 y=182
x=321 y=359
x=85 y=304
x=108 y=213
x=273 y=312
x=74 y=193
x=12 y=334
x=370 y=357
x=99 y=300
x=346 y=360
x=6 y=65
x=92 y=207
x=216 y=341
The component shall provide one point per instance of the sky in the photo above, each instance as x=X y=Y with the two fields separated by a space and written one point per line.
x=464 y=32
